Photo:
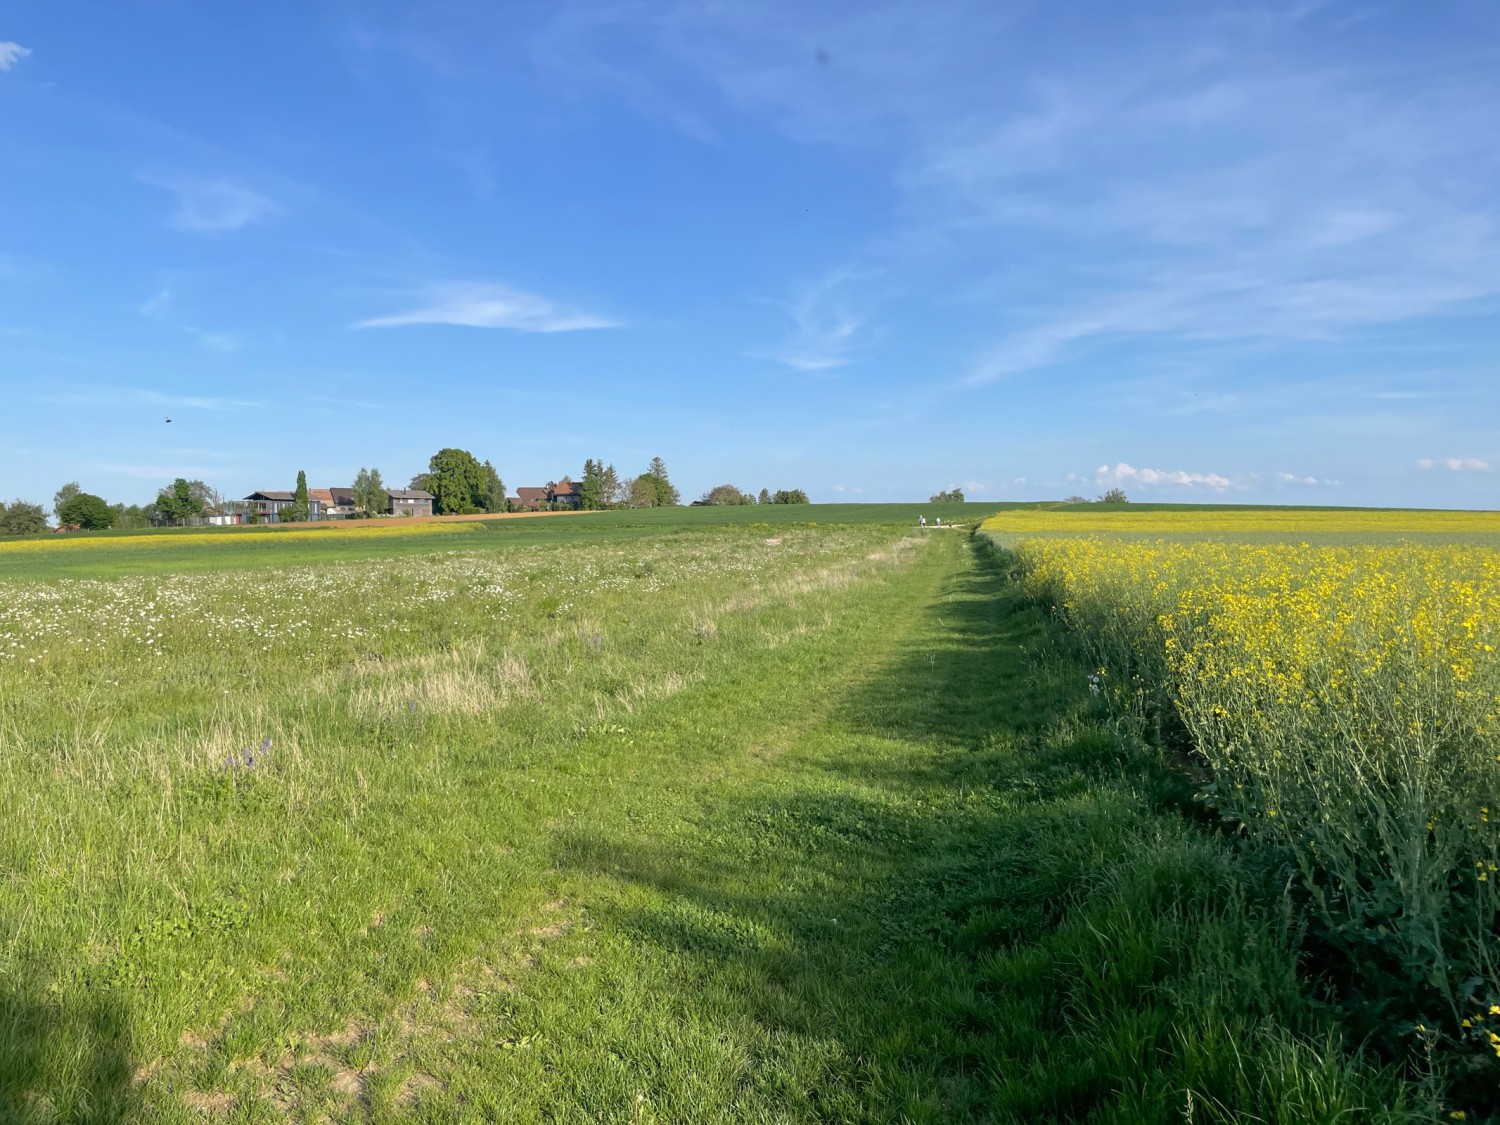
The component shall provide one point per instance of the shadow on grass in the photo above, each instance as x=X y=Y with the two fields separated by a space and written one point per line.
x=964 y=898
x=63 y=1063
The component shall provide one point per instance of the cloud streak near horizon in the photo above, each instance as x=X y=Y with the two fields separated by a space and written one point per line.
x=1123 y=474
x=1454 y=464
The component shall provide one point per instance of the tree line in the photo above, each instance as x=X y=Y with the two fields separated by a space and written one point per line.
x=729 y=494
x=460 y=484
x=1112 y=496
x=73 y=507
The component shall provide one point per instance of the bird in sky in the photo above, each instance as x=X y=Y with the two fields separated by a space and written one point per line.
x=169 y=421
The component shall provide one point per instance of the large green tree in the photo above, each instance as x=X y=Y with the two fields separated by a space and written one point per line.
x=666 y=494
x=181 y=500
x=298 y=510
x=615 y=490
x=492 y=492
x=728 y=495
x=134 y=515
x=591 y=488
x=457 y=481
x=21 y=518
x=643 y=492
x=790 y=496
x=87 y=511
x=764 y=497
x=949 y=496
x=63 y=495
x=370 y=495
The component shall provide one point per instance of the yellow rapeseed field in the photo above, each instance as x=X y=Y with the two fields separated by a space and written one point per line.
x=1346 y=699
x=1190 y=520
x=228 y=536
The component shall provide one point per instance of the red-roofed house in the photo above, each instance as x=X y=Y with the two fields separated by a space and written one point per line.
x=533 y=498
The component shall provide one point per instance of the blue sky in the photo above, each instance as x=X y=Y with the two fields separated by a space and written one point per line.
x=1208 y=251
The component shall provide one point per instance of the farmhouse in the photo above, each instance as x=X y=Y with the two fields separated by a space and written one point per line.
x=533 y=498
x=338 y=503
x=335 y=503
x=410 y=502
x=567 y=494
x=267 y=504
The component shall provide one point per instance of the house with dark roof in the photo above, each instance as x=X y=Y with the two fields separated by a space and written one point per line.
x=410 y=502
x=336 y=503
x=268 y=503
x=568 y=494
x=324 y=499
x=340 y=502
x=533 y=498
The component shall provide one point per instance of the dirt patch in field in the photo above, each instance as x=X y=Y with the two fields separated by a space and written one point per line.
x=434 y=1015
x=413 y=1088
x=207 y=1103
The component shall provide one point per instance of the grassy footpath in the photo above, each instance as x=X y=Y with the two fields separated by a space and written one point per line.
x=864 y=853
x=942 y=893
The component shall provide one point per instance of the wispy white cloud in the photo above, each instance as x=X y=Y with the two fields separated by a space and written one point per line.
x=137 y=396
x=1031 y=348
x=194 y=402
x=1123 y=474
x=1231 y=182
x=570 y=53
x=216 y=205
x=490 y=305
x=824 y=325
x=214 y=341
x=1244 y=296
x=1454 y=464
x=158 y=304
x=163 y=472
x=849 y=75
x=1238 y=201
x=1310 y=481
x=817 y=351
x=12 y=53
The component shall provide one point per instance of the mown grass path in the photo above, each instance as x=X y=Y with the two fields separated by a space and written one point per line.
x=884 y=865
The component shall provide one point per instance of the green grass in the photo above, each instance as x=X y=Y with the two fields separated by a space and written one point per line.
x=648 y=820
x=95 y=555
